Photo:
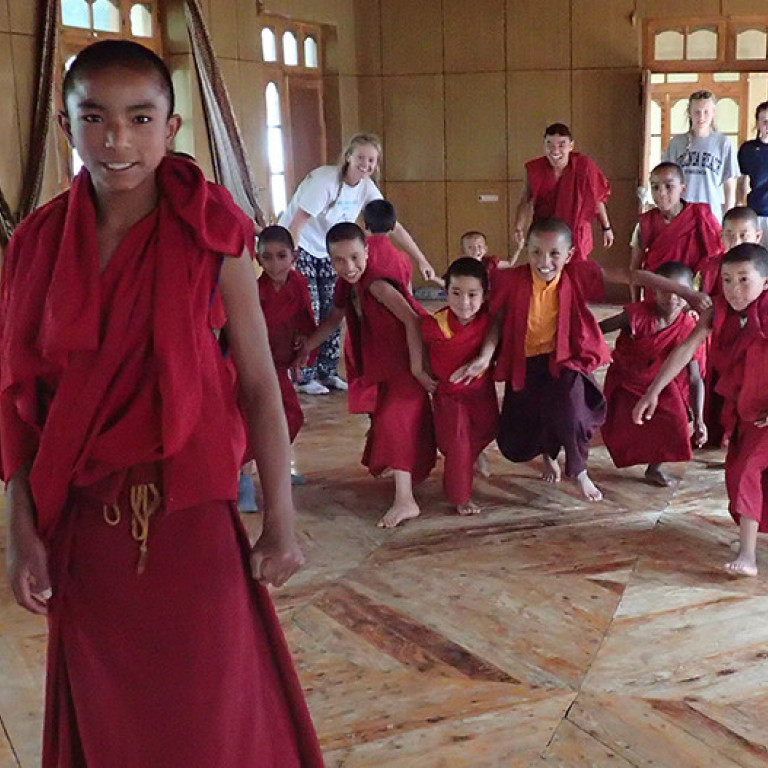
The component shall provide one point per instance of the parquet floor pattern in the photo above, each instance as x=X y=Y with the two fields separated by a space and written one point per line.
x=545 y=632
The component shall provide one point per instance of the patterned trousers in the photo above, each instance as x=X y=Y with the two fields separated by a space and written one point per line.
x=322 y=281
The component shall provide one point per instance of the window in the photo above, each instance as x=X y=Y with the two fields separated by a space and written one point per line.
x=141 y=20
x=310 y=53
x=275 y=154
x=268 y=47
x=752 y=44
x=290 y=49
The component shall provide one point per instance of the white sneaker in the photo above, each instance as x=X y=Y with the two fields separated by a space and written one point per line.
x=336 y=382
x=313 y=387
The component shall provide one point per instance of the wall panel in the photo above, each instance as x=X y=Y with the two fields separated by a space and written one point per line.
x=413 y=128
x=538 y=35
x=611 y=43
x=411 y=40
x=476 y=126
x=474 y=35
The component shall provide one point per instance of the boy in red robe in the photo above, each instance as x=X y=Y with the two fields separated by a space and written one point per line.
x=384 y=327
x=474 y=245
x=566 y=185
x=650 y=330
x=379 y=219
x=738 y=322
x=676 y=230
x=121 y=442
x=549 y=345
x=285 y=301
x=466 y=415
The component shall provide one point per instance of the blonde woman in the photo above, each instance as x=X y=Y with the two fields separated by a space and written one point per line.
x=707 y=157
x=329 y=195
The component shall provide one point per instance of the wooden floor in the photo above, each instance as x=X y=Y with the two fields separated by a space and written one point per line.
x=546 y=632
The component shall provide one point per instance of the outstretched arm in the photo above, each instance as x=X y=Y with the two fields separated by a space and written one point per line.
x=697 y=403
x=276 y=555
x=618 y=322
x=523 y=214
x=678 y=359
x=394 y=301
x=405 y=242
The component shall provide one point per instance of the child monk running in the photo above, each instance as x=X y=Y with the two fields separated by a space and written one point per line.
x=383 y=322
x=121 y=442
x=550 y=345
x=739 y=352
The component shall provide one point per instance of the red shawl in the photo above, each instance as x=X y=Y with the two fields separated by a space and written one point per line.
x=377 y=340
x=573 y=197
x=452 y=345
x=102 y=371
x=288 y=313
x=383 y=255
x=692 y=238
x=740 y=357
x=579 y=346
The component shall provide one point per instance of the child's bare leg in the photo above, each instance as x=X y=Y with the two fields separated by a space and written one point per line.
x=482 y=467
x=404 y=506
x=745 y=563
x=470 y=508
x=657 y=476
x=551 y=472
x=588 y=489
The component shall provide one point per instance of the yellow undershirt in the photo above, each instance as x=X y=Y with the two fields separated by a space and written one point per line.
x=541 y=334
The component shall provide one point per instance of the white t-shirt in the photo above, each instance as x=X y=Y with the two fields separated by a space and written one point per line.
x=707 y=164
x=317 y=195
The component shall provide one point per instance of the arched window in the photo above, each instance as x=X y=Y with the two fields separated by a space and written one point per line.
x=290 y=49
x=141 y=20
x=310 y=53
x=268 y=45
x=275 y=152
x=76 y=13
x=106 y=16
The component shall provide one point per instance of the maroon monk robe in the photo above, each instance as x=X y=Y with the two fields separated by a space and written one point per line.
x=162 y=648
x=288 y=313
x=466 y=415
x=740 y=356
x=574 y=197
x=401 y=434
x=550 y=401
x=639 y=354
x=381 y=253
x=692 y=238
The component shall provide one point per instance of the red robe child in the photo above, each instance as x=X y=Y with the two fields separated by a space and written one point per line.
x=288 y=314
x=637 y=358
x=551 y=401
x=163 y=650
x=574 y=197
x=692 y=238
x=466 y=415
x=739 y=353
x=402 y=433
x=381 y=253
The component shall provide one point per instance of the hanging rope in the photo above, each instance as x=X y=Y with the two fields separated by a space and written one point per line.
x=230 y=162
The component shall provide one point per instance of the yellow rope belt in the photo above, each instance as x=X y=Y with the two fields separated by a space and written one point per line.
x=145 y=501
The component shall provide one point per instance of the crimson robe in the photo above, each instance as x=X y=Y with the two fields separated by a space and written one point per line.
x=288 y=313
x=466 y=415
x=112 y=384
x=379 y=371
x=381 y=252
x=574 y=197
x=692 y=238
x=739 y=353
x=639 y=354
x=550 y=401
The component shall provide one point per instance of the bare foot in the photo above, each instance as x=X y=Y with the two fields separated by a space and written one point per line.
x=482 y=467
x=590 y=491
x=470 y=508
x=551 y=473
x=655 y=475
x=398 y=513
x=741 y=566
x=385 y=473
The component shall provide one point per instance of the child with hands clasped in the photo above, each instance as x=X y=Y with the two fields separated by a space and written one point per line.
x=738 y=322
x=466 y=414
x=384 y=327
x=650 y=330
x=549 y=345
